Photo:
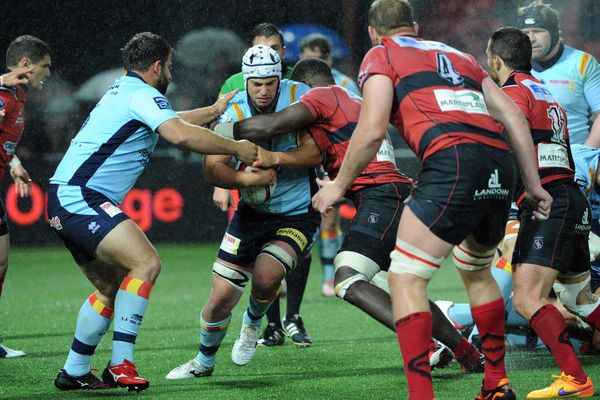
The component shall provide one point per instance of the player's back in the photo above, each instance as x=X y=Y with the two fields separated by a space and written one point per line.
x=438 y=98
x=336 y=111
x=117 y=139
x=548 y=125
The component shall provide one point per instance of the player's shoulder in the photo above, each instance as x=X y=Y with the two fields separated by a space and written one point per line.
x=292 y=89
x=236 y=109
x=10 y=92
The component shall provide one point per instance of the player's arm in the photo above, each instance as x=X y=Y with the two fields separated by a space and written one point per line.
x=378 y=92
x=307 y=155
x=219 y=172
x=295 y=117
x=205 y=141
x=204 y=115
x=503 y=110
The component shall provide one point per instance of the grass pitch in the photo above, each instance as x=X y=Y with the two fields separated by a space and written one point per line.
x=352 y=356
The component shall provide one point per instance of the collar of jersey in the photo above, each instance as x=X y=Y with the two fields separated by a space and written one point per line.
x=134 y=75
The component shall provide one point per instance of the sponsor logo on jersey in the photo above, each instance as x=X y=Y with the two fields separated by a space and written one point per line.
x=162 y=103
x=494 y=189
x=145 y=157
x=468 y=101
x=539 y=91
x=10 y=147
x=296 y=236
x=553 y=155
x=110 y=209
x=230 y=244
x=2 y=103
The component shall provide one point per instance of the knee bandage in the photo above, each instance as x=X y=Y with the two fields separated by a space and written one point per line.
x=471 y=260
x=381 y=281
x=235 y=277
x=594 y=245
x=567 y=294
x=365 y=270
x=280 y=255
x=408 y=259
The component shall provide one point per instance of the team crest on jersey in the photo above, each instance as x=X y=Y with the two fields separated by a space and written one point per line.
x=10 y=147
x=373 y=218
x=538 y=242
x=2 y=103
x=162 y=103
x=55 y=223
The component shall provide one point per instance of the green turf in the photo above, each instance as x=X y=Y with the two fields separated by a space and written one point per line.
x=352 y=356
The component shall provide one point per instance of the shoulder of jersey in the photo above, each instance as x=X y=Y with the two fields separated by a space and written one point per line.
x=240 y=97
x=10 y=89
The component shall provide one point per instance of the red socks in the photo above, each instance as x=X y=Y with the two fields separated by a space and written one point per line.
x=489 y=319
x=593 y=319
x=414 y=335
x=550 y=326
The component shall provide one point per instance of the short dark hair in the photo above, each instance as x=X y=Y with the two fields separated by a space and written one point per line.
x=311 y=68
x=317 y=41
x=512 y=46
x=26 y=46
x=266 y=29
x=143 y=49
x=386 y=15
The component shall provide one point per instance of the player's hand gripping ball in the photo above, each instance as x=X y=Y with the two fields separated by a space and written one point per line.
x=255 y=194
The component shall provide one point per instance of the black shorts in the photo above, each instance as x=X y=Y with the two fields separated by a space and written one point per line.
x=249 y=230
x=465 y=189
x=560 y=242
x=81 y=217
x=372 y=232
x=3 y=220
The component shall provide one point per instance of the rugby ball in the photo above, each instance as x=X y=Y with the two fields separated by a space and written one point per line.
x=254 y=194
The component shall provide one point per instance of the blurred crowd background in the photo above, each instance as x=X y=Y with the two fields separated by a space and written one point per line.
x=210 y=37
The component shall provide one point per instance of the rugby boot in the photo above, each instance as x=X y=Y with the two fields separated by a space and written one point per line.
x=88 y=381
x=564 y=386
x=124 y=375
x=501 y=392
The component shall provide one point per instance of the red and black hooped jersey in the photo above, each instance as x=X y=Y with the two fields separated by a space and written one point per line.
x=438 y=99
x=12 y=101
x=336 y=113
x=548 y=124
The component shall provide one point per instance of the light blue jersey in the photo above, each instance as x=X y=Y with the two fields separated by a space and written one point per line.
x=116 y=141
x=345 y=81
x=574 y=80
x=292 y=194
x=586 y=170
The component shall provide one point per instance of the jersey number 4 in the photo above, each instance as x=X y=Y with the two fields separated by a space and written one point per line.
x=447 y=71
